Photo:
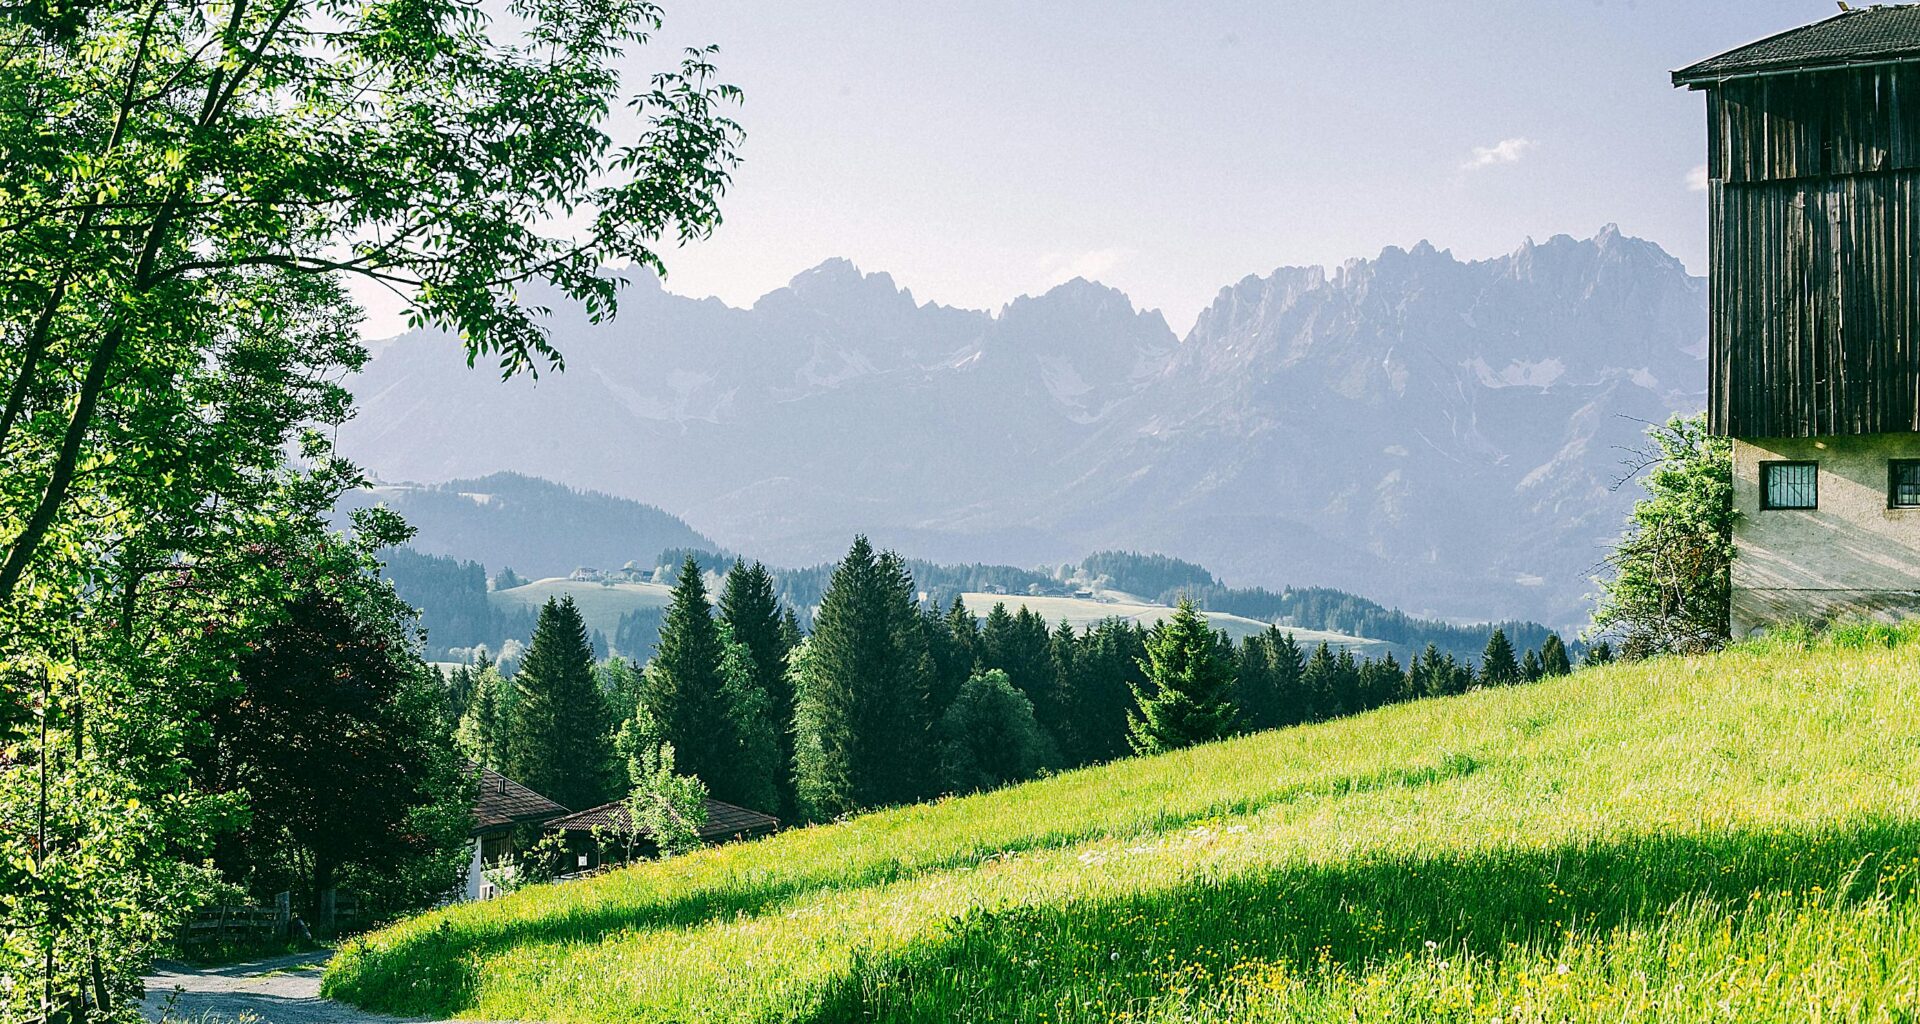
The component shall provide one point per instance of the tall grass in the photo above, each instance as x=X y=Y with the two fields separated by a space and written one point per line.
x=1733 y=837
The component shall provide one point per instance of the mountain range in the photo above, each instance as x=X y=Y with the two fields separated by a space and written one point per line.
x=1436 y=433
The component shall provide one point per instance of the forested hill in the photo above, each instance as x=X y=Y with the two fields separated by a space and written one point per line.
x=535 y=527
x=458 y=610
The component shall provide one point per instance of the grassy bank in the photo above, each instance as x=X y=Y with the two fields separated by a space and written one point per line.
x=1733 y=837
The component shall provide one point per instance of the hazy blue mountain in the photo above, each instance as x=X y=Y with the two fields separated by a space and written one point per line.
x=1435 y=433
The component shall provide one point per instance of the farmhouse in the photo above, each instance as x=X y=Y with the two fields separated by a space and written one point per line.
x=591 y=834
x=1813 y=184
x=500 y=808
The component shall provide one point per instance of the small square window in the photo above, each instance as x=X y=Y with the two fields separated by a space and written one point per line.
x=1903 y=483
x=1788 y=485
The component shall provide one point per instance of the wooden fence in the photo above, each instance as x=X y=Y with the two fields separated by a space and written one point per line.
x=234 y=925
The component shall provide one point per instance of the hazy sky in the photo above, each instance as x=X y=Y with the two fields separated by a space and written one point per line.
x=980 y=150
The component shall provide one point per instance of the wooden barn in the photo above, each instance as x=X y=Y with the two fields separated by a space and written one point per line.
x=1813 y=183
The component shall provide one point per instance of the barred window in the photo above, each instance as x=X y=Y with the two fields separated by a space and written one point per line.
x=1786 y=485
x=1903 y=483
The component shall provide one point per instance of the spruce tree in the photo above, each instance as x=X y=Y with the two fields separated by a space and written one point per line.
x=482 y=733
x=861 y=685
x=1188 y=695
x=750 y=609
x=1380 y=682
x=1320 y=683
x=1057 y=721
x=1108 y=672
x=1599 y=654
x=1348 y=698
x=558 y=741
x=1433 y=673
x=1497 y=664
x=681 y=687
x=1019 y=644
x=952 y=663
x=1530 y=667
x=1287 y=669
x=751 y=767
x=965 y=627
x=1553 y=656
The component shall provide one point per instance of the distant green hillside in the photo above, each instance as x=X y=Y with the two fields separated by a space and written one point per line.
x=535 y=527
x=1724 y=838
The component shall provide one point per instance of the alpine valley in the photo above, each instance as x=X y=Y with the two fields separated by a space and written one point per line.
x=1440 y=434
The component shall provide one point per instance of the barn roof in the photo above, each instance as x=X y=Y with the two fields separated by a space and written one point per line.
x=724 y=821
x=1867 y=35
x=503 y=802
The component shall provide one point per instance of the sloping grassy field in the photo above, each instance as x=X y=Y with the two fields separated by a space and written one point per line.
x=1727 y=838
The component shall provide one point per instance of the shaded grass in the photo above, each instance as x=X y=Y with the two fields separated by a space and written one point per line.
x=1616 y=824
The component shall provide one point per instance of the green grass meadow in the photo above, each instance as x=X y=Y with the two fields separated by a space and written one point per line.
x=601 y=604
x=1725 y=838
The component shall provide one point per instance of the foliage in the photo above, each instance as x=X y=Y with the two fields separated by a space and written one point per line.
x=455 y=611
x=860 y=691
x=1271 y=681
x=1439 y=860
x=338 y=737
x=1553 y=656
x=751 y=610
x=662 y=807
x=1671 y=575
x=1188 y=694
x=1145 y=575
x=559 y=737
x=681 y=685
x=988 y=736
x=750 y=765
x=184 y=182
x=481 y=736
x=1497 y=664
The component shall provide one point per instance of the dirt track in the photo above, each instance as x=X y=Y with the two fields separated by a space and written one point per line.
x=277 y=990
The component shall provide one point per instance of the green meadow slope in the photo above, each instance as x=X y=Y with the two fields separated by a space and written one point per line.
x=1732 y=837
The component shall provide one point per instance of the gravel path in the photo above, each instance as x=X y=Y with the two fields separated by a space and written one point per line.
x=277 y=990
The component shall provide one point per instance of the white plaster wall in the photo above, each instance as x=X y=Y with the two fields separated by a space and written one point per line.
x=475 y=876
x=1851 y=556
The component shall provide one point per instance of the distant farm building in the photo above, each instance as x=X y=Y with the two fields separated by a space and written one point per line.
x=1813 y=176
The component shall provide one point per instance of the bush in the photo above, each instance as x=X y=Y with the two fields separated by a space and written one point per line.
x=1671 y=583
x=988 y=737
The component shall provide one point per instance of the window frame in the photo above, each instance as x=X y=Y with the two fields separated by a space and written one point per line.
x=1893 y=482
x=1766 y=468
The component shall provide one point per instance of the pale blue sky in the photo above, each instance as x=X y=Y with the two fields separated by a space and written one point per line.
x=982 y=150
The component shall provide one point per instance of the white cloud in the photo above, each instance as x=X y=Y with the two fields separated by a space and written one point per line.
x=1697 y=179
x=1061 y=267
x=1506 y=151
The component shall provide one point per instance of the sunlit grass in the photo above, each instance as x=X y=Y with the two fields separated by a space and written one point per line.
x=1727 y=838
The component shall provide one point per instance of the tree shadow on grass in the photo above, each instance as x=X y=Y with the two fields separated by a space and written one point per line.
x=434 y=970
x=1011 y=964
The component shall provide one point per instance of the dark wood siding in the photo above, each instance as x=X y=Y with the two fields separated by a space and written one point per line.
x=1814 y=228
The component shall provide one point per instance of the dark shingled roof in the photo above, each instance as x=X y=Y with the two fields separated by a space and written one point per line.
x=503 y=802
x=1868 y=35
x=724 y=821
